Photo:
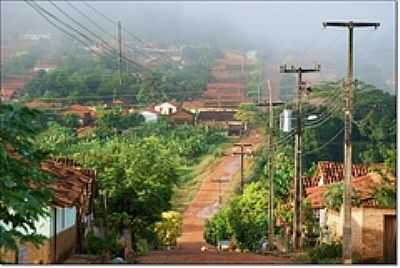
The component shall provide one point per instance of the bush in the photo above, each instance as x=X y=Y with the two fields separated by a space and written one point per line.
x=326 y=253
x=99 y=246
x=169 y=228
x=217 y=228
x=142 y=247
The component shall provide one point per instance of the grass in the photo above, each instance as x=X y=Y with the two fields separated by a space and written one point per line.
x=190 y=182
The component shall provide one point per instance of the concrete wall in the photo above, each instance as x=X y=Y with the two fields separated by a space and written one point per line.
x=367 y=231
x=335 y=222
x=373 y=233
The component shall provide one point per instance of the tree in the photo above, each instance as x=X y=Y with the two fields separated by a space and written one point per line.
x=247 y=113
x=248 y=217
x=24 y=196
x=135 y=181
x=333 y=197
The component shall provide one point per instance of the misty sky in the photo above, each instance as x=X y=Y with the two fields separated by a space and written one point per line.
x=288 y=32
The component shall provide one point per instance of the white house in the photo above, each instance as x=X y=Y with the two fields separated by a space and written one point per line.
x=166 y=108
x=149 y=116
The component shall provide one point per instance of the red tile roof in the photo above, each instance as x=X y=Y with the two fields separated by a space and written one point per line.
x=365 y=186
x=333 y=172
x=73 y=185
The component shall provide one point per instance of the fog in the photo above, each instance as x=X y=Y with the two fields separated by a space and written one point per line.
x=287 y=32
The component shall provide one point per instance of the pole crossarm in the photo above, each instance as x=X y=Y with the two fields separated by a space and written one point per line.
x=292 y=69
x=350 y=24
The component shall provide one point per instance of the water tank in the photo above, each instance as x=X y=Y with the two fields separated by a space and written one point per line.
x=286 y=120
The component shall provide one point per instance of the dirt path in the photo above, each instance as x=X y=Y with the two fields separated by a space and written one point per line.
x=203 y=206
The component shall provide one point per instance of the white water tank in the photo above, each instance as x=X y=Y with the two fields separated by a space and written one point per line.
x=286 y=120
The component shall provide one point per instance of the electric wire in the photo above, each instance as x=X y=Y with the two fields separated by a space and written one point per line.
x=325 y=144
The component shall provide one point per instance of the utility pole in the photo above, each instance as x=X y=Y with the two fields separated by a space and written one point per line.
x=270 y=171
x=242 y=153
x=347 y=170
x=120 y=57
x=297 y=150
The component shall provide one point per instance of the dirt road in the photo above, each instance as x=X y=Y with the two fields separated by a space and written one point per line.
x=204 y=205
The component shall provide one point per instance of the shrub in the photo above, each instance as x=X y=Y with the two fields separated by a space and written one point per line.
x=98 y=246
x=248 y=218
x=326 y=253
x=169 y=228
x=142 y=247
x=217 y=228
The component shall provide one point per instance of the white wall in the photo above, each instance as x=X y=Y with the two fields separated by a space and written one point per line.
x=165 y=108
x=66 y=218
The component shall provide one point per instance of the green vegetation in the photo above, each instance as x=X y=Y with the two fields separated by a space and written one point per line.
x=169 y=228
x=86 y=79
x=248 y=114
x=244 y=220
x=386 y=196
x=24 y=197
x=333 y=197
x=139 y=167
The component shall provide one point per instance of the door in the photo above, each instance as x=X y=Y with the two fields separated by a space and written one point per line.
x=389 y=240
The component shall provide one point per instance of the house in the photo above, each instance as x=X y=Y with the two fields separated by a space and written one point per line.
x=166 y=108
x=373 y=227
x=215 y=116
x=235 y=128
x=87 y=114
x=70 y=215
x=182 y=116
x=44 y=67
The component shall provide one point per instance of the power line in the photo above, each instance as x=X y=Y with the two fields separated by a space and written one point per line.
x=325 y=144
x=136 y=65
x=89 y=19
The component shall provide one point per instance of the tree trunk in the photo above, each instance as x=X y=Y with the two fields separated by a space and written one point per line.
x=128 y=250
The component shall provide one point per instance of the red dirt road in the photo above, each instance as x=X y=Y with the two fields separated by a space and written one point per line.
x=203 y=206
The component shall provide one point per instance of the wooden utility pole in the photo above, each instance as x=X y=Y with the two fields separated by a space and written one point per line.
x=297 y=150
x=347 y=170
x=242 y=153
x=270 y=171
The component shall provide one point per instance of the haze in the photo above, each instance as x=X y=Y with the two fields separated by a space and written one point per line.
x=287 y=32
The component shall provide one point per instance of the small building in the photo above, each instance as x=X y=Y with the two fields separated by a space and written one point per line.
x=86 y=114
x=149 y=117
x=166 y=108
x=373 y=227
x=182 y=116
x=70 y=215
x=205 y=115
x=44 y=67
x=235 y=128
